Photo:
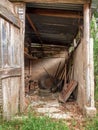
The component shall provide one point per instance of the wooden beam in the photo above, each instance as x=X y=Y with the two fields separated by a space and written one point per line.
x=55 y=13
x=48 y=51
x=5 y=73
x=32 y=24
x=60 y=25
x=86 y=50
x=47 y=45
x=55 y=1
x=9 y=16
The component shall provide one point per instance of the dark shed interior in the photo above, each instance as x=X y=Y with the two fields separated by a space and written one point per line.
x=52 y=33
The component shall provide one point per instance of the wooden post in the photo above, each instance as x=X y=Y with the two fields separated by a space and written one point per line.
x=86 y=48
x=22 y=89
x=90 y=109
x=20 y=10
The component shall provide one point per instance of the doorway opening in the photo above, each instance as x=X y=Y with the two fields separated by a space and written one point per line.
x=53 y=36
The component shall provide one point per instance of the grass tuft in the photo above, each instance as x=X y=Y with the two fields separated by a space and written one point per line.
x=92 y=124
x=34 y=123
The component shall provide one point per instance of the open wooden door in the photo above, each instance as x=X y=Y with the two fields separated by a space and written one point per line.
x=11 y=61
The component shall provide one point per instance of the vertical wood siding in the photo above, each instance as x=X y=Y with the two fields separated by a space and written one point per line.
x=10 y=45
x=20 y=10
x=10 y=96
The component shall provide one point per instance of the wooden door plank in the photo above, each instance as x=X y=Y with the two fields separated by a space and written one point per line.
x=4 y=73
x=66 y=92
x=9 y=16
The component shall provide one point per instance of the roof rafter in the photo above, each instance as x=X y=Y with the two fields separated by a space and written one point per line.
x=34 y=28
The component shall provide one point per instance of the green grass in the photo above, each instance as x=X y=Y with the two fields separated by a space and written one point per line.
x=96 y=69
x=92 y=124
x=34 y=123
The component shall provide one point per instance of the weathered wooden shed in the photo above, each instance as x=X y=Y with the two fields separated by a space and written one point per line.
x=50 y=29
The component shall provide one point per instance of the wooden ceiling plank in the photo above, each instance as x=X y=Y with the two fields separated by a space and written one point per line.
x=55 y=13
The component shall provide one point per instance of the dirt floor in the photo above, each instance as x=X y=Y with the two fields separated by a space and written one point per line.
x=45 y=103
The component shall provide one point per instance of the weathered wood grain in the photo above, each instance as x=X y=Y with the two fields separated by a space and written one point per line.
x=9 y=16
x=10 y=44
x=20 y=10
x=7 y=4
x=11 y=57
x=66 y=92
x=86 y=51
x=5 y=73
x=4 y=42
x=10 y=88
